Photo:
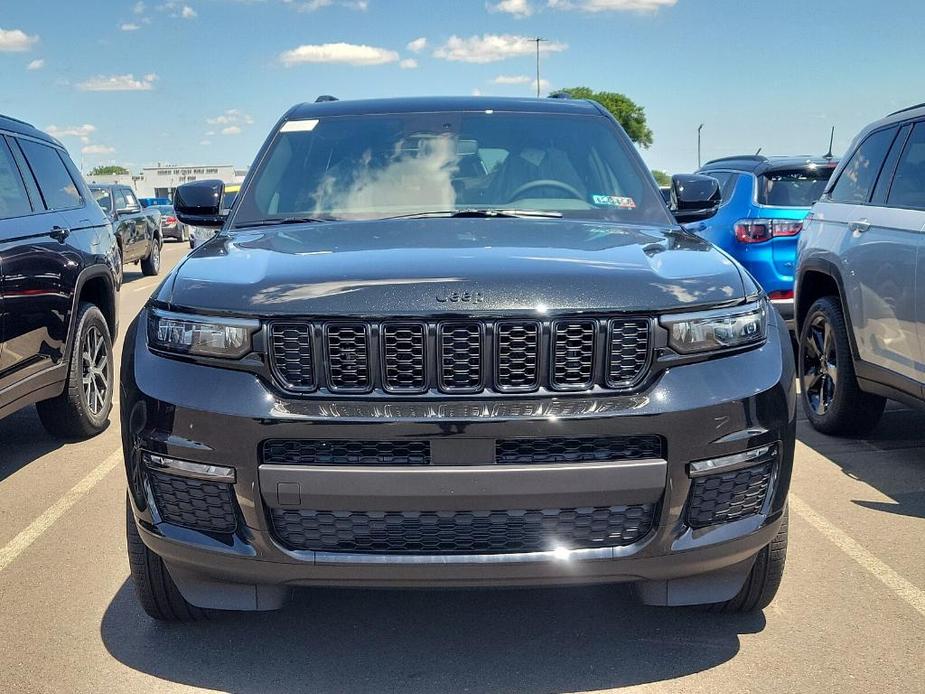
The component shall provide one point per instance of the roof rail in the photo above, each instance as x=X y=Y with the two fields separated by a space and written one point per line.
x=17 y=120
x=326 y=97
x=741 y=157
x=559 y=95
x=908 y=108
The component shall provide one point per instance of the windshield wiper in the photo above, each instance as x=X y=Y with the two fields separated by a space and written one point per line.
x=284 y=220
x=477 y=212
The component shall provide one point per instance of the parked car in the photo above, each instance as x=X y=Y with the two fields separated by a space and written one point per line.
x=199 y=235
x=171 y=227
x=138 y=229
x=455 y=342
x=59 y=287
x=148 y=202
x=764 y=202
x=859 y=288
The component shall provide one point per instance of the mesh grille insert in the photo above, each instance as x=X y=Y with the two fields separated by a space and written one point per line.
x=460 y=367
x=348 y=357
x=193 y=503
x=334 y=452
x=629 y=351
x=573 y=353
x=728 y=496
x=291 y=346
x=456 y=532
x=518 y=353
x=577 y=450
x=403 y=357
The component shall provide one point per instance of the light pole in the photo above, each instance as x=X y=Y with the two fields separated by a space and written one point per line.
x=700 y=127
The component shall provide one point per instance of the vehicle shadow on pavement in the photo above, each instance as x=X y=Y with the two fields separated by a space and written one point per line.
x=23 y=439
x=539 y=640
x=891 y=459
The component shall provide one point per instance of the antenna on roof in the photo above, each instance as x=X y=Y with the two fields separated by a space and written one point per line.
x=828 y=155
x=758 y=152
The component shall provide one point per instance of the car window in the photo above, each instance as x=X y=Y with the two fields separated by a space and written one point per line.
x=799 y=187
x=908 y=189
x=375 y=166
x=13 y=199
x=857 y=178
x=119 y=198
x=58 y=188
x=885 y=179
x=101 y=195
x=130 y=200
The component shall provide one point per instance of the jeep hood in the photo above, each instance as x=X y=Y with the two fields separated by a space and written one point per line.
x=431 y=266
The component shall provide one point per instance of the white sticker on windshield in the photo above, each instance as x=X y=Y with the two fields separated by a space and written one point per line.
x=614 y=201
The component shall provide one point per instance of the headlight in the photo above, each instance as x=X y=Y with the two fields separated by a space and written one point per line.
x=708 y=331
x=200 y=335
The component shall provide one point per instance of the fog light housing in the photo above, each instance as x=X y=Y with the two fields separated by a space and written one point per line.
x=736 y=461
x=186 y=468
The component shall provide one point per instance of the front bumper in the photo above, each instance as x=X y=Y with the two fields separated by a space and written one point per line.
x=221 y=417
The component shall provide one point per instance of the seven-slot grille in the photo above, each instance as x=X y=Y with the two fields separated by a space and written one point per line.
x=507 y=356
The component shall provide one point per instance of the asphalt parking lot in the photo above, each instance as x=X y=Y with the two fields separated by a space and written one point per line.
x=850 y=616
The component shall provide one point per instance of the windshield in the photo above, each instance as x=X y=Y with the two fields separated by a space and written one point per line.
x=371 y=167
x=796 y=188
x=101 y=195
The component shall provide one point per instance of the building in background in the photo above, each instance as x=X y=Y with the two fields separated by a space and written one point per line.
x=162 y=181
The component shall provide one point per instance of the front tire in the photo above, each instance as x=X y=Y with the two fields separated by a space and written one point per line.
x=832 y=400
x=763 y=580
x=156 y=592
x=151 y=265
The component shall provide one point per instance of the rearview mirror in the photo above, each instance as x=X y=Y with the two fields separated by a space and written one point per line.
x=694 y=197
x=199 y=203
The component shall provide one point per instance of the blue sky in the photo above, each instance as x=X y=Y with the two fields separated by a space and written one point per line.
x=202 y=81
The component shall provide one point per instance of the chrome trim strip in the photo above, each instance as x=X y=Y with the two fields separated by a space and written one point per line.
x=186 y=468
x=553 y=556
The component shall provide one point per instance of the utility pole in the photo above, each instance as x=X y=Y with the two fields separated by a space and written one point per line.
x=538 y=40
x=698 y=144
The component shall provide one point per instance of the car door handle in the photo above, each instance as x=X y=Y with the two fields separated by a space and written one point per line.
x=859 y=226
x=59 y=233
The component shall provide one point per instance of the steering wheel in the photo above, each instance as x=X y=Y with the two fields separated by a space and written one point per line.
x=544 y=183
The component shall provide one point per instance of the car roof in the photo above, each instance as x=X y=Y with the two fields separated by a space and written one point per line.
x=112 y=185
x=759 y=164
x=21 y=127
x=421 y=104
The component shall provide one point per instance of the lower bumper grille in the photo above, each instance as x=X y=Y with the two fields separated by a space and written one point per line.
x=193 y=503
x=462 y=532
x=728 y=496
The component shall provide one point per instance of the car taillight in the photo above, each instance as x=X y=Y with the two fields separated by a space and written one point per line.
x=758 y=230
x=171 y=220
x=778 y=296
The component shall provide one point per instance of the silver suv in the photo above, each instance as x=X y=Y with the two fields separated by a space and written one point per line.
x=860 y=309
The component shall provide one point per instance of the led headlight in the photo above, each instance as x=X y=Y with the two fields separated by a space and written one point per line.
x=205 y=336
x=708 y=331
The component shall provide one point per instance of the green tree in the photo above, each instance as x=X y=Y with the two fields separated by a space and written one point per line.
x=109 y=170
x=629 y=114
x=662 y=178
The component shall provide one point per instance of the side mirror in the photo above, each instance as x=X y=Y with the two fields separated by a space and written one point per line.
x=694 y=197
x=127 y=210
x=199 y=203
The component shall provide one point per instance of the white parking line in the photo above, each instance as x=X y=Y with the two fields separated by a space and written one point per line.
x=903 y=589
x=37 y=528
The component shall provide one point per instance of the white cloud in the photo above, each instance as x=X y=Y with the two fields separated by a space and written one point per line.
x=314 y=5
x=310 y=5
x=36 y=64
x=118 y=83
x=489 y=48
x=16 y=41
x=187 y=12
x=129 y=26
x=611 y=5
x=544 y=85
x=97 y=149
x=511 y=79
x=418 y=45
x=408 y=64
x=232 y=116
x=205 y=143
x=518 y=8
x=476 y=92
x=231 y=130
x=347 y=53
x=82 y=131
x=139 y=7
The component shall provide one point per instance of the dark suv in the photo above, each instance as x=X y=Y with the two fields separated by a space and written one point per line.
x=58 y=287
x=455 y=342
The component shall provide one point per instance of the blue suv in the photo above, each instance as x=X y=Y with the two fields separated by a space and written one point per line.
x=765 y=200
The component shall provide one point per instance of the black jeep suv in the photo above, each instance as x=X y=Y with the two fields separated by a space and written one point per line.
x=59 y=266
x=455 y=342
